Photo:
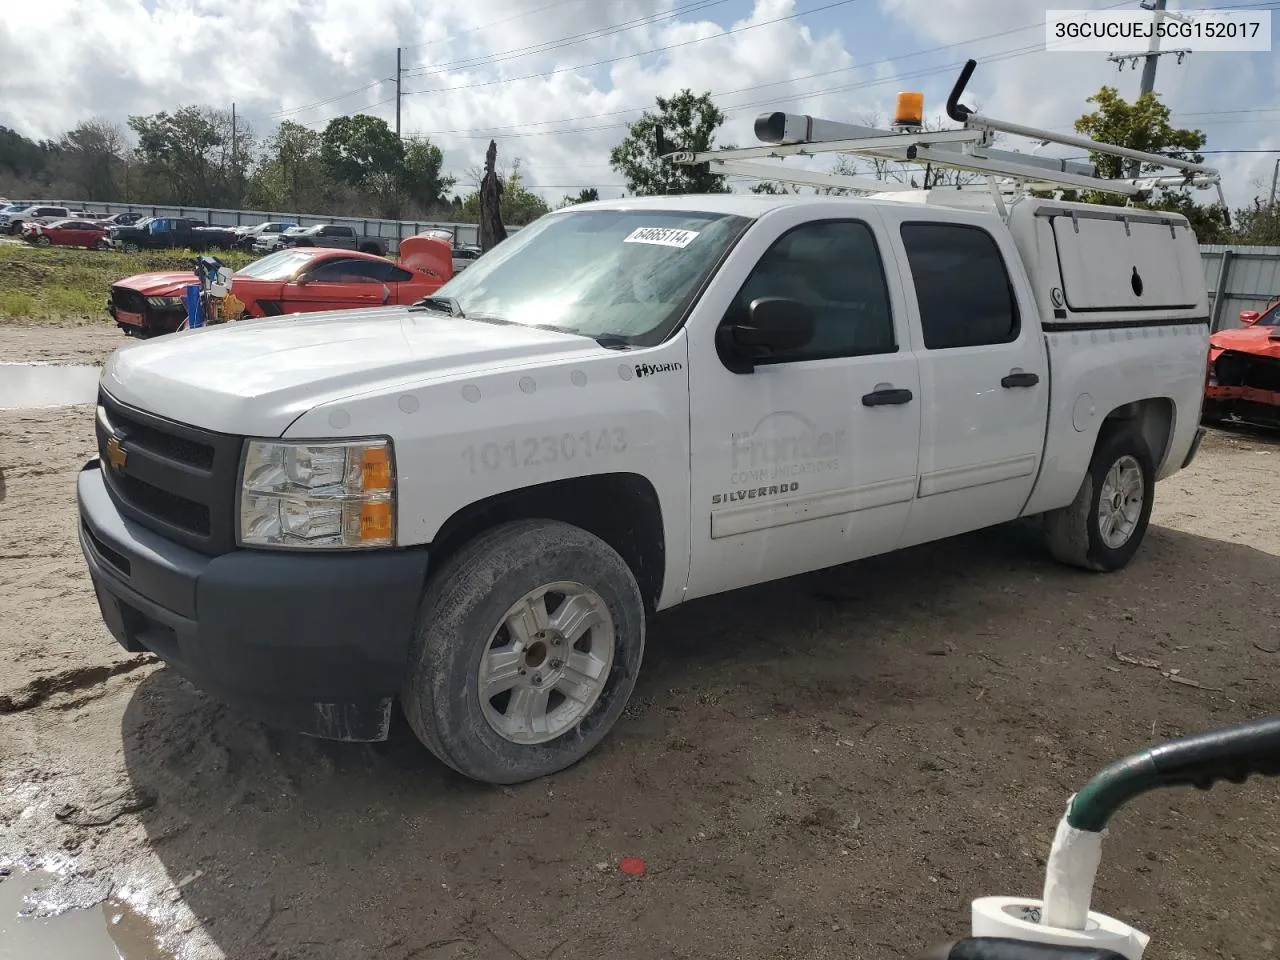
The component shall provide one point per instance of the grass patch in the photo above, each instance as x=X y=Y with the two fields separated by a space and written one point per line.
x=65 y=286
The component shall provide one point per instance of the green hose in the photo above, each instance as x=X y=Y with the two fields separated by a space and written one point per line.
x=1197 y=761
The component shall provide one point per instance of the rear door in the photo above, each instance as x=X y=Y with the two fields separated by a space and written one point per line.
x=984 y=372
x=339 y=283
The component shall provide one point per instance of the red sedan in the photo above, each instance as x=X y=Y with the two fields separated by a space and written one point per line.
x=65 y=233
x=309 y=279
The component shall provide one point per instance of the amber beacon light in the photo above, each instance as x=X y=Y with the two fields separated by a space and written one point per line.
x=909 y=111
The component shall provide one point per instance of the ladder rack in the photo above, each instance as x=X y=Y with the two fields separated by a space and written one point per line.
x=967 y=149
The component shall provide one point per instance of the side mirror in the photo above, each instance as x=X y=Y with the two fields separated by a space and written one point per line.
x=772 y=325
x=300 y=280
x=1249 y=317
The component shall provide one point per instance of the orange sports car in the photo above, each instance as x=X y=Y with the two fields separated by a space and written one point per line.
x=1244 y=370
x=296 y=280
x=308 y=279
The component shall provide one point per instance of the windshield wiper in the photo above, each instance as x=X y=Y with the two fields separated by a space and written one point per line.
x=611 y=341
x=441 y=304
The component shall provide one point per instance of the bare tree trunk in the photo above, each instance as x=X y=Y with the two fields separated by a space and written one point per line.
x=492 y=232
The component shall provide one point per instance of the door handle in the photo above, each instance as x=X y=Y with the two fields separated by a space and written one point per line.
x=886 y=397
x=1020 y=380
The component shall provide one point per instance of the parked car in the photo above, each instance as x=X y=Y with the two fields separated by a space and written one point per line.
x=12 y=222
x=335 y=235
x=1244 y=370
x=159 y=233
x=248 y=236
x=474 y=504
x=123 y=219
x=64 y=233
x=285 y=282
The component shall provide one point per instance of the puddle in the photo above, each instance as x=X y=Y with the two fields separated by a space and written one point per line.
x=108 y=931
x=28 y=385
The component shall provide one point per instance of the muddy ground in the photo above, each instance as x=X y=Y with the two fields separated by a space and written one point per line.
x=827 y=767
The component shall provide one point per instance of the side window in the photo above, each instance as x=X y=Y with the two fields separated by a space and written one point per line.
x=963 y=288
x=348 y=271
x=834 y=268
x=399 y=276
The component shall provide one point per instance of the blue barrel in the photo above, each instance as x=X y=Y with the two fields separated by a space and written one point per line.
x=192 y=297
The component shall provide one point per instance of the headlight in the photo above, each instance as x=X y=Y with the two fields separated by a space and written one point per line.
x=318 y=495
x=164 y=301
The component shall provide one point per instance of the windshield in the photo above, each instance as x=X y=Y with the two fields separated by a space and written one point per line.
x=277 y=266
x=616 y=273
x=1271 y=318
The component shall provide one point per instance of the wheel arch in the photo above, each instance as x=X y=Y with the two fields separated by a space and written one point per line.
x=1153 y=417
x=622 y=509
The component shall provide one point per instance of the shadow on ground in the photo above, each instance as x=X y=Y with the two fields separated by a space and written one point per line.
x=828 y=766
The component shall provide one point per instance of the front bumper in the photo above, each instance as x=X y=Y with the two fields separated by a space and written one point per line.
x=312 y=644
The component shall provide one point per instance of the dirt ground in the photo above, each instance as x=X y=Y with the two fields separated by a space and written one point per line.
x=827 y=767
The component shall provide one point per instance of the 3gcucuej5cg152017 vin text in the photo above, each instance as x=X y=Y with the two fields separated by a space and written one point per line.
x=473 y=504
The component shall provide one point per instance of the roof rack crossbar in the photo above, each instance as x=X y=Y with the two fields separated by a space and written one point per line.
x=968 y=149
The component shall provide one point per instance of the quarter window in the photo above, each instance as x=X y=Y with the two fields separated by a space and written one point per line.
x=833 y=267
x=962 y=286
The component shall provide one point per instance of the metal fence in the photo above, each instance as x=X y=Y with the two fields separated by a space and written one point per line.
x=393 y=231
x=1239 y=278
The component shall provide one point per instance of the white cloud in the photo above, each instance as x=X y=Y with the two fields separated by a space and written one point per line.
x=66 y=60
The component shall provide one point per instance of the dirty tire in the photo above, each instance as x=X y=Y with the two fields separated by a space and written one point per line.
x=129 y=247
x=466 y=602
x=1073 y=533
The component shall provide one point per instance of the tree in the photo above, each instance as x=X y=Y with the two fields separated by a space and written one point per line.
x=1144 y=125
x=363 y=152
x=688 y=122
x=92 y=155
x=182 y=152
x=585 y=195
x=1259 y=224
x=291 y=175
x=519 y=205
x=422 y=180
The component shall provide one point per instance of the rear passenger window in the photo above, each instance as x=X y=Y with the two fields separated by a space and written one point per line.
x=834 y=268
x=962 y=285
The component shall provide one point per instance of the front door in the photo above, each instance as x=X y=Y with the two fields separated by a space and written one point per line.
x=984 y=374
x=340 y=283
x=809 y=460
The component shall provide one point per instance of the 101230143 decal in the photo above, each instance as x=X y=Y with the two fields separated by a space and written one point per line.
x=531 y=452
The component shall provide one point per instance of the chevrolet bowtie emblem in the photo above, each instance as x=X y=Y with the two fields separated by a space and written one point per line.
x=116 y=454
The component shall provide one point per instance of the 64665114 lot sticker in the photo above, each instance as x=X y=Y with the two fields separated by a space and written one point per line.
x=662 y=236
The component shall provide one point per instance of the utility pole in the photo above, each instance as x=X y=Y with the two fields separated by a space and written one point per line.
x=235 y=174
x=1275 y=175
x=399 y=73
x=1149 y=59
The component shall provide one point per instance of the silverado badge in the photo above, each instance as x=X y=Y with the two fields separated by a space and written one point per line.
x=116 y=454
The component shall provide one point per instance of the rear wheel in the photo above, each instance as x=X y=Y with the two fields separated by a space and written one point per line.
x=527 y=648
x=1104 y=526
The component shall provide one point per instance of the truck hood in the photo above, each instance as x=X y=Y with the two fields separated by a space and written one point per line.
x=257 y=376
x=169 y=283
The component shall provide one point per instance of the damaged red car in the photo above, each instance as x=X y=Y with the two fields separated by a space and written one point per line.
x=1244 y=370
x=295 y=280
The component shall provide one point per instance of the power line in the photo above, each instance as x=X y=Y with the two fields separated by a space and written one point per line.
x=500 y=57
x=632 y=56
x=489 y=131
x=490 y=26
x=597 y=34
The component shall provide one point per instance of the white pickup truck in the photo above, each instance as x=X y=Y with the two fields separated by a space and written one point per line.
x=472 y=505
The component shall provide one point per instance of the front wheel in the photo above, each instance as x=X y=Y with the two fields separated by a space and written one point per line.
x=129 y=247
x=1104 y=526
x=527 y=648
